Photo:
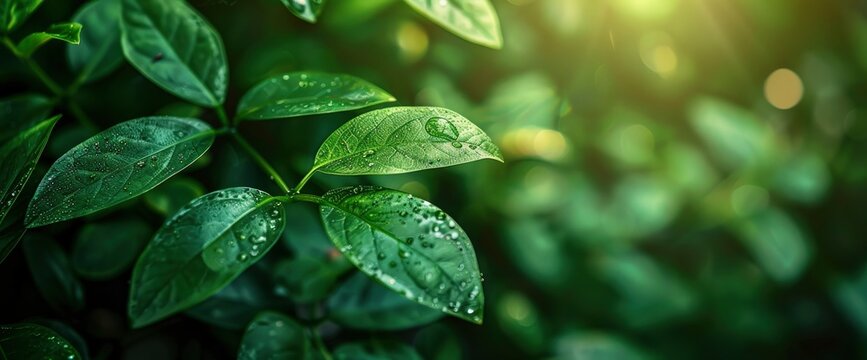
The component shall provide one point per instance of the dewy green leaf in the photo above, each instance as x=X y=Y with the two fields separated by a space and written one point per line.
x=18 y=157
x=14 y=12
x=308 y=93
x=376 y=350
x=474 y=20
x=409 y=245
x=100 y=254
x=361 y=303
x=274 y=336
x=174 y=46
x=32 y=341
x=307 y=10
x=68 y=32
x=52 y=273
x=403 y=139
x=20 y=112
x=201 y=249
x=117 y=164
x=99 y=52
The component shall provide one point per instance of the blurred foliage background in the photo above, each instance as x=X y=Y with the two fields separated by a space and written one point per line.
x=683 y=177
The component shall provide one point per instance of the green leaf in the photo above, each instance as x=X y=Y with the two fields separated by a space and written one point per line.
x=403 y=139
x=307 y=10
x=777 y=243
x=32 y=341
x=172 y=195
x=8 y=240
x=99 y=52
x=171 y=44
x=14 y=12
x=68 y=32
x=117 y=164
x=100 y=254
x=474 y=20
x=18 y=157
x=52 y=273
x=306 y=279
x=235 y=305
x=20 y=112
x=375 y=350
x=308 y=93
x=274 y=336
x=361 y=303
x=201 y=249
x=409 y=245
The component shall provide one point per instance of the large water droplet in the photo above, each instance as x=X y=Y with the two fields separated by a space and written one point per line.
x=441 y=128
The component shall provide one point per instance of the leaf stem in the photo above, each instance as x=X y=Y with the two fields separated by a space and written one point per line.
x=34 y=67
x=304 y=180
x=221 y=114
x=261 y=162
x=317 y=341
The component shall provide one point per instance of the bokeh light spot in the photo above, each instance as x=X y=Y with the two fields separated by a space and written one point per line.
x=784 y=89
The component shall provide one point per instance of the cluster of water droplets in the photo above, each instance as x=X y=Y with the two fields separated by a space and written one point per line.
x=37 y=342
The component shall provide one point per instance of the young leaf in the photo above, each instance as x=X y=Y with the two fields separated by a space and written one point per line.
x=403 y=139
x=307 y=10
x=20 y=112
x=52 y=273
x=18 y=157
x=376 y=350
x=361 y=303
x=68 y=32
x=99 y=52
x=171 y=44
x=117 y=164
x=474 y=20
x=15 y=12
x=308 y=93
x=409 y=245
x=201 y=249
x=32 y=341
x=274 y=336
x=100 y=254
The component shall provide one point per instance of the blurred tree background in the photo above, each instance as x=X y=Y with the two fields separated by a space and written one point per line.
x=682 y=177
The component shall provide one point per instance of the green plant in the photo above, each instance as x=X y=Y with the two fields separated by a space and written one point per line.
x=403 y=242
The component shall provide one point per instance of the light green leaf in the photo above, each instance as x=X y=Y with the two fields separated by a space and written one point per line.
x=174 y=46
x=734 y=135
x=361 y=303
x=99 y=52
x=274 y=336
x=308 y=93
x=378 y=350
x=777 y=243
x=403 y=139
x=20 y=112
x=52 y=273
x=100 y=254
x=474 y=20
x=117 y=164
x=68 y=32
x=18 y=157
x=14 y=12
x=409 y=245
x=32 y=341
x=307 y=10
x=201 y=249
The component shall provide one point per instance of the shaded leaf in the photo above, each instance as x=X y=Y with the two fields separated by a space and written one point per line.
x=170 y=196
x=361 y=303
x=375 y=350
x=99 y=52
x=104 y=250
x=32 y=341
x=20 y=112
x=274 y=336
x=307 y=10
x=18 y=157
x=52 y=273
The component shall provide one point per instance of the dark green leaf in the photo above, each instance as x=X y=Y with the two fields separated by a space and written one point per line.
x=104 y=250
x=9 y=239
x=99 y=52
x=307 y=10
x=474 y=20
x=308 y=93
x=21 y=112
x=52 y=273
x=306 y=279
x=438 y=342
x=409 y=245
x=31 y=341
x=68 y=32
x=14 y=12
x=403 y=139
x=375 y=350
x=170 y=196
x=117 y=164
x=274 y=336
x=235 y=305
x=67 y=333
x=362 y=303
x=201 y=249
x=174 y=46
x=18 y=157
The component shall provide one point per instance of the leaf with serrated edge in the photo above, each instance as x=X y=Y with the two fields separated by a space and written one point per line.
x=117 y=164
x=407 y=244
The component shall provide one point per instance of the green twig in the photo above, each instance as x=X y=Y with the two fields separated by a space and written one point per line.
x=261 y=162
x=221 y=114
x=34 y=67
x=317 y=341
x=304 y=180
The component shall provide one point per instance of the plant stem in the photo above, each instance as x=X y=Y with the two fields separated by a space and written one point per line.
x=307 y=198
x=34 y=67
x=304 y=180
x=221 y=114
x=261 y=162
x=317 y=341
